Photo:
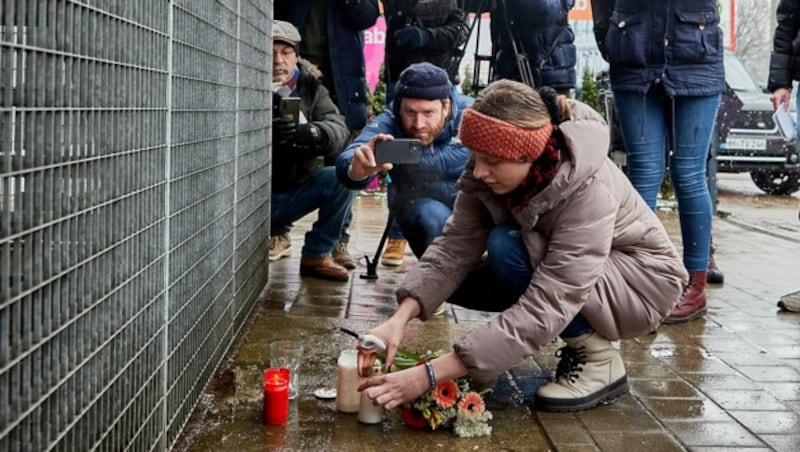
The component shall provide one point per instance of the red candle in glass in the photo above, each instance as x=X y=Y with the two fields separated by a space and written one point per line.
x=276 y=395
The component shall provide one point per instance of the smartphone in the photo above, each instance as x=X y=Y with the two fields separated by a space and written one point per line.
x=399 y=150
x=289 y=108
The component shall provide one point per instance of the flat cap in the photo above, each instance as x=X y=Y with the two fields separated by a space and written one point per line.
x=285 y=32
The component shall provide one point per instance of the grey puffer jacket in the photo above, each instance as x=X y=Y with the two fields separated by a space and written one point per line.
x=596 y=249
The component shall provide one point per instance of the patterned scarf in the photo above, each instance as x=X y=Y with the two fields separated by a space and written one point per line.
x=289 y=87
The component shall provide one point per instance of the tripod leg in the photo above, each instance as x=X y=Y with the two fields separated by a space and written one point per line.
x=372 y=267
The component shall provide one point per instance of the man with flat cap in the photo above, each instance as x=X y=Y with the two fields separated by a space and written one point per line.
x=299 y=185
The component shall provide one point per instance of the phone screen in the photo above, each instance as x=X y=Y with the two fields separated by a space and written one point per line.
x=289 y=108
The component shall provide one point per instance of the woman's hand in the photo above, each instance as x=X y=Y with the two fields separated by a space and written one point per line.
x=391 y=333
x=396 y=388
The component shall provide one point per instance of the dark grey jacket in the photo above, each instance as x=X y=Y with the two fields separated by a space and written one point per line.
x=540 y=29
x=784 y=65
x=291 y=166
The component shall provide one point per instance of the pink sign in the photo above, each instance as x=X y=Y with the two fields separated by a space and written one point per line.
x=374 y=40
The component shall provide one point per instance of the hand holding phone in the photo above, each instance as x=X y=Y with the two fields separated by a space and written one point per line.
x=289 y=109
x=399 y=150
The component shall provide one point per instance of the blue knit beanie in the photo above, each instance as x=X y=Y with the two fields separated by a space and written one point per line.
x=423 y=81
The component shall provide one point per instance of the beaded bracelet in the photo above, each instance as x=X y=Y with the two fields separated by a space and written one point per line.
x=431 y=375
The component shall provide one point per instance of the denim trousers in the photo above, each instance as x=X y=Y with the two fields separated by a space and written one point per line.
x=499 y=284
x=395 y=232
x=421 y=221
x=653 y=123
x=324 y=192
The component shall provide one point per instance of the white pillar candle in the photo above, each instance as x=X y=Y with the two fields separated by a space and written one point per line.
x=347 y=382
x=368 y=413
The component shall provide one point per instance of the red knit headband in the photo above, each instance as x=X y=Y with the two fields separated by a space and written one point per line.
x=487 y=135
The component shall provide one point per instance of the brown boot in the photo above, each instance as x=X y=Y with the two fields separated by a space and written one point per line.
x=324 y=267
x=693 y=300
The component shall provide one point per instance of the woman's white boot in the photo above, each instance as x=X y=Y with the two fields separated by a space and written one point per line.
x=589 y=373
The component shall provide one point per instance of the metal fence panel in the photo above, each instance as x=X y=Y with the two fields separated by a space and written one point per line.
x=134 y=188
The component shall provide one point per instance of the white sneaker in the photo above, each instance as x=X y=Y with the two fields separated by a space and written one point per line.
x=279 y=246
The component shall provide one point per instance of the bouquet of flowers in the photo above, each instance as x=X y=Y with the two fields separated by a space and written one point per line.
x=450 y=404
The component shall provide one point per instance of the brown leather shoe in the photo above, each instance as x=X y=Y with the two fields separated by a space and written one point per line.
x=693 y=301
x=324 y=267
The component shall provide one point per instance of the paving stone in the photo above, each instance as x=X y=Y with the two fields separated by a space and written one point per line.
x=730 y=380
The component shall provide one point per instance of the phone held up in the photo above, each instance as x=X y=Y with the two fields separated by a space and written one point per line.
x=289 y=109
x=399 y=150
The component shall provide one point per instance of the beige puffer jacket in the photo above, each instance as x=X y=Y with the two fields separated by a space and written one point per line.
x=596 y=249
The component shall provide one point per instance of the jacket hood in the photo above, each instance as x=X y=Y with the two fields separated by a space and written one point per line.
x=450 y=130
x=310 y=68
x=586 y=149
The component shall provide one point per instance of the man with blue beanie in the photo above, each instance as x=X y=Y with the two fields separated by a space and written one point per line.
x=428 y=108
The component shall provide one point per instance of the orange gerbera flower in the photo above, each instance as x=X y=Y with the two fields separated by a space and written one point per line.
x=445 y=393
x=471 y=404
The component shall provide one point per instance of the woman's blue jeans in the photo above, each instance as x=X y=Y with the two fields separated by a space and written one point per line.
x=502 y=282
x=653 y=123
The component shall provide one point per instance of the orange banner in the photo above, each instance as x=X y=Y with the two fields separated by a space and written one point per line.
x=581 y=11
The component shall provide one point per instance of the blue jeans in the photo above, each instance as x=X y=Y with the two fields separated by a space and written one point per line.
x=395 y=232
x=422 y=220
x=649 y=123
x=324 y=192
x=505 y=278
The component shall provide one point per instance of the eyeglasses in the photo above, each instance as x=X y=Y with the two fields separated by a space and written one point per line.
x=285 y=52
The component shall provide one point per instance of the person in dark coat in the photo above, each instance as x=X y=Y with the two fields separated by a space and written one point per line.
x=422 y=31
x=540 y=30
x=333 y=40
x=298 y=186
x=784 y=69
x=667 y=74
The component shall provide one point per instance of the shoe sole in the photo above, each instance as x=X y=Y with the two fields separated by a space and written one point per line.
x=786 y=307
x=675 y=320
x=348 y=264
x=285 y=253
x=312 y=273
x=607 y=394
x=391 y=262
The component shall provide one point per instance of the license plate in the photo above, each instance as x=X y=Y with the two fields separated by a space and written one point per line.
x=747 y=144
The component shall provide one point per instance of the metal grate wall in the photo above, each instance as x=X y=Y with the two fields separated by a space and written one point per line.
x=134 y=195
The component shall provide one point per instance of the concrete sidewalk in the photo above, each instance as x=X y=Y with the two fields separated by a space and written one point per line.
x=728 y=381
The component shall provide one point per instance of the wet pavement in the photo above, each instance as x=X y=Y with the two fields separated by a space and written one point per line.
x=728 y=381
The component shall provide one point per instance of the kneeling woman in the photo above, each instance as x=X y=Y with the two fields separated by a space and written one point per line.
x=571 y=250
